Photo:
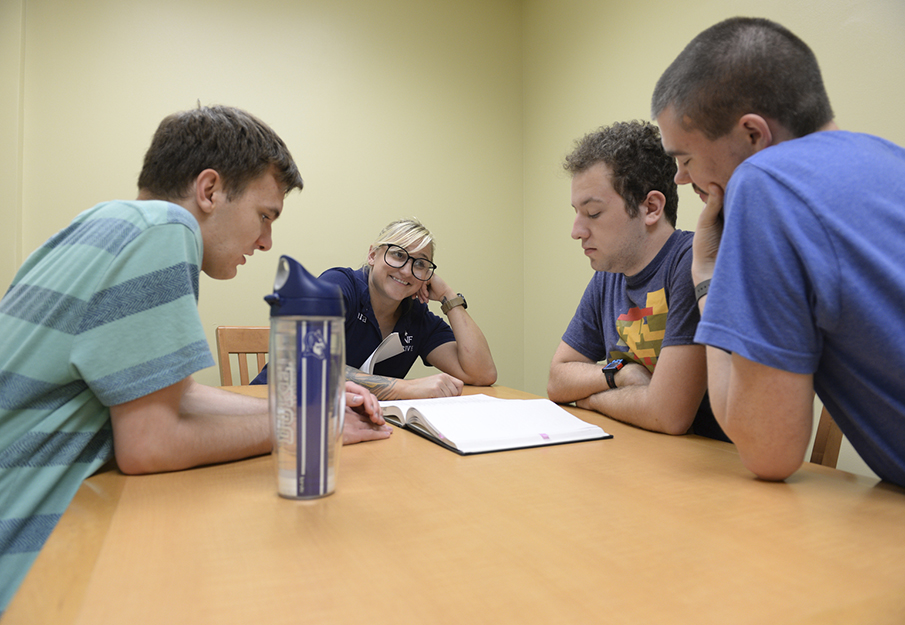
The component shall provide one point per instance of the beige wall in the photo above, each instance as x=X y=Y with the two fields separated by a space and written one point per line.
x=458 y=113
x=11 y=30
x=393 y=108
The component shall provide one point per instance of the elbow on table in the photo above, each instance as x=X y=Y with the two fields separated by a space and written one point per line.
x=555 y=392
x=485 y=377
x=770 y=467
x=132 y=465
x=676 y=427
x=141 y=462
x=668 y=419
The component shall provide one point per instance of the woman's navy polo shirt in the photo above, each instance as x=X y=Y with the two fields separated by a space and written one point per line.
x=420 y=330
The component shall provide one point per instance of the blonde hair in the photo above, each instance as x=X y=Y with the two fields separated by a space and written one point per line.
x=406 y=232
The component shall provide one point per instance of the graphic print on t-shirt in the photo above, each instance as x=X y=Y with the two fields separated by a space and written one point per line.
x=641 y=331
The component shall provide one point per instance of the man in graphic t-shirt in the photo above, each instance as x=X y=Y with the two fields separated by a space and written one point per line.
x=629 y=351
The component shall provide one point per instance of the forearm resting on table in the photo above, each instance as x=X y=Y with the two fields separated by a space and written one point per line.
x=585 y=384
x=384 y=388
x=381 y=387
x=665 y=401
x=187 y=425
x=574 y=376
x=766 y=412
x=643 y=407
x=571 y=381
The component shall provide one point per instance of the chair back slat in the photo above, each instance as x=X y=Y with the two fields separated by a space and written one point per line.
x=242 y=341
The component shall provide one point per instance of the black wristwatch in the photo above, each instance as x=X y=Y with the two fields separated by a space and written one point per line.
x=611 y=369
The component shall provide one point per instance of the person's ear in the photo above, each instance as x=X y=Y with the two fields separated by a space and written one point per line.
x=207 y=183
x=756 y=131
x=372 y=254
x=652 y=207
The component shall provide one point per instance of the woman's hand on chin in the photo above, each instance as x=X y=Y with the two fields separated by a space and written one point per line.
x=435 y=289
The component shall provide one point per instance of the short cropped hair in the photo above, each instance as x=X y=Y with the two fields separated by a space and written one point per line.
x=744 y=65
x=634 y=153
x=236 y=144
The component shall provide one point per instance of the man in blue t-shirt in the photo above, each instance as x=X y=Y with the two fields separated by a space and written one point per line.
x=638 y=315
x=807 y=289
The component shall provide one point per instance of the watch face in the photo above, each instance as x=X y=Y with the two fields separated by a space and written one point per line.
x=615 y=365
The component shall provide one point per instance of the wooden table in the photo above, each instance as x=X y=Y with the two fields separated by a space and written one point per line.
x=643 y=528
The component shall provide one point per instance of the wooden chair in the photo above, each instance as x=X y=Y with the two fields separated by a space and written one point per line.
x=827 y=441
x=243 y=341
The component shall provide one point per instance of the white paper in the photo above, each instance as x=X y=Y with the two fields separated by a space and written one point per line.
x=389 y=347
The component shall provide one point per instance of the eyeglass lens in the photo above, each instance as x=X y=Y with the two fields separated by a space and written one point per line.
x=396 y=256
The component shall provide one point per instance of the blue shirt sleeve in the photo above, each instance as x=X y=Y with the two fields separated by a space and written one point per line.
x=767 y=316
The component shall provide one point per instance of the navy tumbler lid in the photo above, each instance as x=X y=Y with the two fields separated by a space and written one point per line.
x=297 y=293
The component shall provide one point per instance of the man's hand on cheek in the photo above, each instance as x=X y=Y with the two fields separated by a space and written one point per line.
x=707 y=236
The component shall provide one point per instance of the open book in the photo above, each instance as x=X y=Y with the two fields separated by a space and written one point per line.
x=474 y=424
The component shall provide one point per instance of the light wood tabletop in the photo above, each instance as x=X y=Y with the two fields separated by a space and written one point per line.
x=641 y=528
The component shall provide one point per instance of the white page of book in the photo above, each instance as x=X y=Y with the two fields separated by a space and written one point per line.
x=389 y=347
x=479 y=422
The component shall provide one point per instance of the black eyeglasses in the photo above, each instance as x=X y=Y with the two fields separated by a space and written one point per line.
x=396 y=257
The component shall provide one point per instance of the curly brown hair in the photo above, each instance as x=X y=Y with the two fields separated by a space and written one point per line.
x=634 y=153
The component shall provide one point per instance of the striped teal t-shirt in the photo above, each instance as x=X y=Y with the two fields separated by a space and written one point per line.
x=106 y=311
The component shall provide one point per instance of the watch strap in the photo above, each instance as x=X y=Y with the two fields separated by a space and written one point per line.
x=700 y=290
x=610 y=371
x=448 y=304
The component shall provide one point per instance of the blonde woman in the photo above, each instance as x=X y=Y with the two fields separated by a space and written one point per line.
x=390 y=293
